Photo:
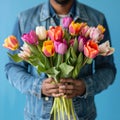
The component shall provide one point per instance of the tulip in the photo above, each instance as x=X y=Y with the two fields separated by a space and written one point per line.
x=25 y=52
x=48 y=48
x=74 y=28
x=101 y=28
x=85 y=31
x=11 y=43
x=41 y=32
x=96 y=34
x=61 y=47
x=66 y=22
x=30 y=38
x=105 y=49
x=81 y=41
x=55 y=33
x=91 y=49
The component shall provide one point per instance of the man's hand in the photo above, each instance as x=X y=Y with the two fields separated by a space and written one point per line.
x=50 y=88
x=72 y=88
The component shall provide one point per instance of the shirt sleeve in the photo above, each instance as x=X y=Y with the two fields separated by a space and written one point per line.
x=104 y=71
x=18 y=75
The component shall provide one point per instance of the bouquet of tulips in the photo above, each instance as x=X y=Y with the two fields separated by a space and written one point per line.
x=60 y=52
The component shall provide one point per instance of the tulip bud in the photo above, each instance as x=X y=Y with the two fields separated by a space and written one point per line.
x=41 y=32
x=56 y=33
x=75 y=28
x=25 y=52
x=81 y=41
x=105 y=49
x=66 y=22
x=30 y=38
x=48 y=48
x=11 y=43
x=91 y=49
x=95 y=34
x=60 y=47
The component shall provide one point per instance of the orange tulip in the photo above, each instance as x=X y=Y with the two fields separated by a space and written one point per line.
x=48 y=48
x=91 y=49
x=55 y=33
x=11 y=43
x=101 y=28
x=75 y=28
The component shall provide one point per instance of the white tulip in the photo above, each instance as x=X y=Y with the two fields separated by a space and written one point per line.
x=41 y=32
x=105 y=49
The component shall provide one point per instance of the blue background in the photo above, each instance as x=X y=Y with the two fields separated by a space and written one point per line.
x=12 y=101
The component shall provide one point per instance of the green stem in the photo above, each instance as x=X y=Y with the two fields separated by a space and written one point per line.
x=64 y=103
x=85 y=61
x=72 y=110
x=51 y=61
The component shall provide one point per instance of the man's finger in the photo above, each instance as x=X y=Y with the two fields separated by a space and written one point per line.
x=48 y=80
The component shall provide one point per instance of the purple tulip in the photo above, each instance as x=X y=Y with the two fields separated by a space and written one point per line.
x=81 y=41
x=66 y=22
x=60 y=47
x=30 y=38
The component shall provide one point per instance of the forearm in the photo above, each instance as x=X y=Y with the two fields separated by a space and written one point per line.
x=103 y=76
x=24 y=81
x=99 y=81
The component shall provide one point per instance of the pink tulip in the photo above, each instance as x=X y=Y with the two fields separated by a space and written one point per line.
x=91 y=49
x=30 y=38
x=85 y=31
x=66 y=22
x=95 y=34
x=81 y=41
x=60 y=47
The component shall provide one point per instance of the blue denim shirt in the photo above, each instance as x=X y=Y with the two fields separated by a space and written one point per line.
x=97 y=76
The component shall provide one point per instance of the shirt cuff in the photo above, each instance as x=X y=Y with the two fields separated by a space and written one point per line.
x=89 y=87
x=37 y=85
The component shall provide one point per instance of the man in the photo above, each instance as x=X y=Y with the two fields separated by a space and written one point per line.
x=38 y=88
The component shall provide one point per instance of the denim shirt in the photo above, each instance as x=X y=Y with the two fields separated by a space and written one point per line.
x=97 y=76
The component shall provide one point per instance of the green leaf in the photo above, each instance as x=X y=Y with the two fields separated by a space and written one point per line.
x=57 y=59
x=67 y=55
x=78 y=66
x=39 y=69
x=15 y=57
x=73 y=56
x=38 y=53
x=80 y=58
x=34 y=61
x=53 y=72
x=33 y=49
x=67 y=36
x=65 y=70
x=75 y=45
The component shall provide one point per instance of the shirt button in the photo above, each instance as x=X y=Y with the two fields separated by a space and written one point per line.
x=46 y=98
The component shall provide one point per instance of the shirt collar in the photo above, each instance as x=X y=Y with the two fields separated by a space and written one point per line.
x=71 y=13
x=77 y=11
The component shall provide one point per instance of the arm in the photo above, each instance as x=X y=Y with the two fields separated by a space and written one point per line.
x=105 y=70
x=18 y=75
x=93 y=84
